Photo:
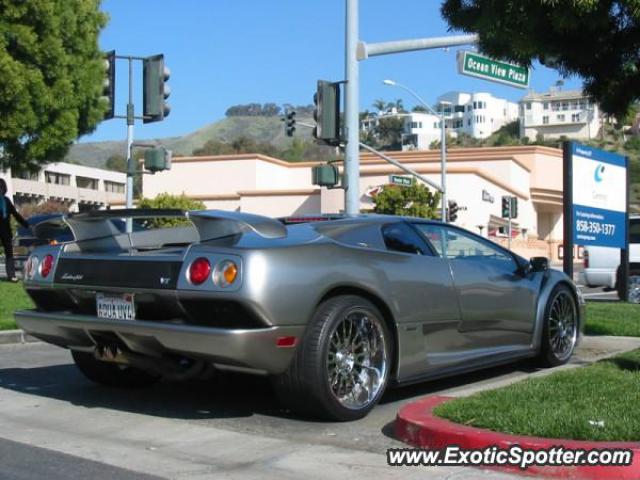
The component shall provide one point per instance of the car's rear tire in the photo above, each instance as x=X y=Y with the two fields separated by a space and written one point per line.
x=560 y=329
x=112 y=374
x=341 y=368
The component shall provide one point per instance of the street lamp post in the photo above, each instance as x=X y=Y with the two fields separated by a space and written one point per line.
x=443 y=142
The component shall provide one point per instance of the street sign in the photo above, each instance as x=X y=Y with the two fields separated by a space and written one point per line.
x=599 y=203
x=401 y=180
x=486 y=68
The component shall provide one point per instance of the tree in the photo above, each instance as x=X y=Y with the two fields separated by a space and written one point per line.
x=51 y=78
x=415 y=201
x=596 y=40
x=419 y=109
x=166 y=200
x=389 y=132
x=117 y=163
x=380 y=105
x=43 y=208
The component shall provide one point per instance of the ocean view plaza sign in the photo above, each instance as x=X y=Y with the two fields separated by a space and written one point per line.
x=480 y=66
x=599 y=207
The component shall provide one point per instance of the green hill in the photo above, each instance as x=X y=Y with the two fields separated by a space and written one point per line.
x=260 y=129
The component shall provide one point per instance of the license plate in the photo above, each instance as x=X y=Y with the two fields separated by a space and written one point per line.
x=115 y=306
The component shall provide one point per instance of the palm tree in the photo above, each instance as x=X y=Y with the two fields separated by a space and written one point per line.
x=380 y=105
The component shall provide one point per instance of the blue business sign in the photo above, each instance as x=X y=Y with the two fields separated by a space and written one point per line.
x=599 y=197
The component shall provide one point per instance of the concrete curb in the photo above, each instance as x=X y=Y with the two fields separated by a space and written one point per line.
x=417 y=426
x=15 y=336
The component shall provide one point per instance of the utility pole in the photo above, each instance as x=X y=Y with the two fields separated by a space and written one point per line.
x=356 y=51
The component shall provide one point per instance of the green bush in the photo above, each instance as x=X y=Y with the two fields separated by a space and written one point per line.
x=168 y=201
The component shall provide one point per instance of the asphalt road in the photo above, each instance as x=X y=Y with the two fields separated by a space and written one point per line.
x=229 y=427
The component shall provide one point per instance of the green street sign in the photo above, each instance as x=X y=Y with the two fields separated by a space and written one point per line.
x=476 y=65
x=401 y=180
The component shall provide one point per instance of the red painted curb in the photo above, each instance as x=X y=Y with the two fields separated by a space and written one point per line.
x=417 y=426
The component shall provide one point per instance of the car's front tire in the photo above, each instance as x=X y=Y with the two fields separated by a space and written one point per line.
x=341 y=368
x=112 y=374
x=560 y=329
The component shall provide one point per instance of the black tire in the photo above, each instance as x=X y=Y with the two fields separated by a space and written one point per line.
x=111 y=374
x=632 y=273
x=549 y=357
x=305 y=386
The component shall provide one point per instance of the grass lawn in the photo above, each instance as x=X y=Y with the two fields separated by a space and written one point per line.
x=12 y=298
x=613 y=318
x=561 y=405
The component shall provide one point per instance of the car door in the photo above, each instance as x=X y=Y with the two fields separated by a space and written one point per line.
x=429 y=314
x=497 y=302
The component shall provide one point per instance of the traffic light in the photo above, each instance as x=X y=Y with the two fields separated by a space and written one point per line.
x=506 y=206
x=290 y=123
x=109 y=90
x=157 y=159
x=453 y=210
x=327 y=113
x=155 y=90
x=514 y=207
x=326 y=175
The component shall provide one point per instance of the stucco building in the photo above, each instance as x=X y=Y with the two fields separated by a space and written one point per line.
x=77 y=186
x=477 y=179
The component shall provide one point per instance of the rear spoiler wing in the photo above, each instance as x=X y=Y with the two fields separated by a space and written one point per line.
x=210 y=224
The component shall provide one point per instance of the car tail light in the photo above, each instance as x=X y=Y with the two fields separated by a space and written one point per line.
x=585 y=259
x=199 y=271
x=226 y=273
x=46 y=266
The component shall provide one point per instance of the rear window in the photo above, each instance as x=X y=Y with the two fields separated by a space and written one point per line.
x=357 y=235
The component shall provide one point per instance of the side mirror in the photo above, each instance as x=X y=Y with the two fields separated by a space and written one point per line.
x=539 y=264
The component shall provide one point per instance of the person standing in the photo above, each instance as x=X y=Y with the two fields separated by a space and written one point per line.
x=7 y=210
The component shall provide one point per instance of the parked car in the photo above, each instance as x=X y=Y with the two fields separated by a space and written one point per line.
x=602 y=264
x=44 y=229
x=333 y=311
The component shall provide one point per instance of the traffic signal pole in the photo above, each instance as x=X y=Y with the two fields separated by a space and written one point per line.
x=354 y=52
x=352 y=112
x=131 y=168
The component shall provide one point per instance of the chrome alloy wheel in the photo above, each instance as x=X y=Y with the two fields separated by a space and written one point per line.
x=563 y=325
x=357 y=359
x=634 y=289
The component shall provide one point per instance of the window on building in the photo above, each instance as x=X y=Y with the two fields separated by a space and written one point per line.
x=475 y=105
x=575 y=117
x=555 y=106
x=57 y=178
x=575 y=105
x=565 y=105
x=25 y=175
x=528 y=105
x=545 y=119
x=469 y=107
x=560 y=117
x=458 y=109
x=468 y=122
x=545 y=106
x=419 y=124
x=86 y=182
x=113 y=187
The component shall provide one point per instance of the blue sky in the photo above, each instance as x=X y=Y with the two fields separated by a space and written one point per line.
x=224 y=52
